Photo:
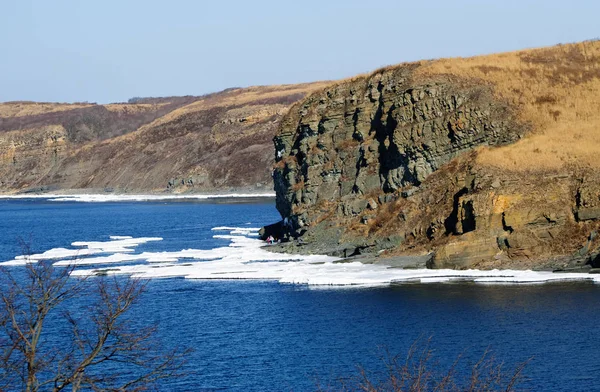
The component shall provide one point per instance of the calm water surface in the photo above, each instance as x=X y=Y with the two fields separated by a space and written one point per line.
x=267 y=336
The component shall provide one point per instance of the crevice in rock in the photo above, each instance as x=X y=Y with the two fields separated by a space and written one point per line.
x=594 y=260
x=356 y=135
x=506 y=227
x=451 y=221
x=468 y=219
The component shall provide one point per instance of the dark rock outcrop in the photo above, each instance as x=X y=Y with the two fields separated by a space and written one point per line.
x=386 y=165
x=381 y=134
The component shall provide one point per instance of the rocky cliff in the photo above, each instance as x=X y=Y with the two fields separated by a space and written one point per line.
x=217 y=142
x=482 y=162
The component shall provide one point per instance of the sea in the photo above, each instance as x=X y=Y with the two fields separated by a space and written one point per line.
x=260 y=321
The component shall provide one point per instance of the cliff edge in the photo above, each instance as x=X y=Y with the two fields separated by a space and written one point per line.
x=480 y=162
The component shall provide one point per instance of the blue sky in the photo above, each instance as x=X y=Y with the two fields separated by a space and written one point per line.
x=109 y=50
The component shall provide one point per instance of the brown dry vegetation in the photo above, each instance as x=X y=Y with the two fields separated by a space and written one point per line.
x=419 y=371
x=556 y=90
x=133 y=108
x=24 y=108
x=92 y=122
x=285 y=94
x=213 y=142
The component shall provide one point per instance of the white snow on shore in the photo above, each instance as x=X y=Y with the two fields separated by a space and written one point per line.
x=102 y=198
x=247 y=258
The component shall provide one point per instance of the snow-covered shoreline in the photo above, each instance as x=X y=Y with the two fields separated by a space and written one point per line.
x=102 y=198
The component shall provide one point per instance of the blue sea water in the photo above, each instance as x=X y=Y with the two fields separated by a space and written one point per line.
x=257 y=335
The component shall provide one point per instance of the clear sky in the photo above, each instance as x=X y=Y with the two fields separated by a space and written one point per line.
x=110 y=50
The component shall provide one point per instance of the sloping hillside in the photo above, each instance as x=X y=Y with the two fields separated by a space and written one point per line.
x=482 y=162
x=215 y=142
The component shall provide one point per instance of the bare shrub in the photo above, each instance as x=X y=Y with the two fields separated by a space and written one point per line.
x=45 y=346
x=417 y=371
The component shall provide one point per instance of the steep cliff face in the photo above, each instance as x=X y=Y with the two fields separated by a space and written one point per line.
x=384 y=132
x=420 y=159
x=216 y=142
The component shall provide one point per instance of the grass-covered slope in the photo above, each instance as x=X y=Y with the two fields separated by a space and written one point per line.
x=556 y=90
x=216 y=142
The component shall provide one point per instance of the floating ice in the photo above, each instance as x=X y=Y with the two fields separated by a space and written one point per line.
x=52 y=254
x=247 y=258
x=119 y=237
x=234 y=230
x=246 y=231
x=116 y=245
x=78 y=256
x=112 y=259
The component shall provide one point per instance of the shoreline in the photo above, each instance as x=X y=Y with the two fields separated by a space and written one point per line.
x=563 y=265
x=131 y=197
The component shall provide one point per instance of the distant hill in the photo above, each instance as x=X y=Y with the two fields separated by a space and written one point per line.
x=216 y=142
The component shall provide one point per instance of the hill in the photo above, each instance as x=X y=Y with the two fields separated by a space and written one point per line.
x=215 y=142
x=482 y=162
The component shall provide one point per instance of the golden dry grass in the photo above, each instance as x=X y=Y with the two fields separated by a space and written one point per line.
x=556 y=90
x=20 y=109
x=133 y=108
x=254 y=113
x=239 y=96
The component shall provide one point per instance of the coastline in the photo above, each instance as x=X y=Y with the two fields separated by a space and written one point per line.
x=130 y=197
x=415 y=266
x=566 y=264
x=242 y=256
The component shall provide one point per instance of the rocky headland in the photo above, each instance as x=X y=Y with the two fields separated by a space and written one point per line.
x=484 y=162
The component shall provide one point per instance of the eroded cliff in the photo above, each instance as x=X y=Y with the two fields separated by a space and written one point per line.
x=481 y=162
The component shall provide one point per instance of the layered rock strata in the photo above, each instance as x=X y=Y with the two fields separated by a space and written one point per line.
x=387 y=165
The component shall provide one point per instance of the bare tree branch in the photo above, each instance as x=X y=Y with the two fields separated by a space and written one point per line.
x=100 y=335
x=417 y=373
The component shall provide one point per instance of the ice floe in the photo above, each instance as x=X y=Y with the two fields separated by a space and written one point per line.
x=115 y=245
x=65 y=256
x=250 y=231
x=245 y=257
x=52 y=254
